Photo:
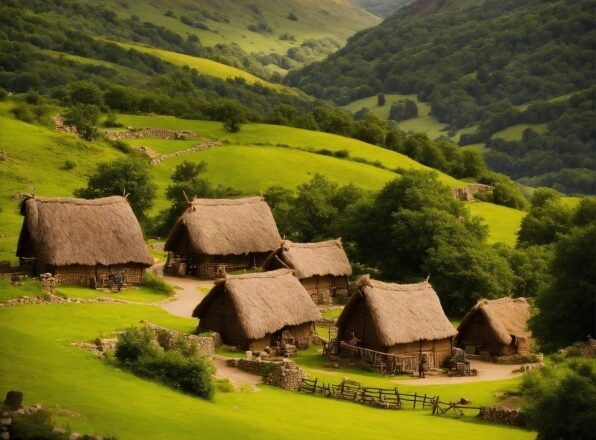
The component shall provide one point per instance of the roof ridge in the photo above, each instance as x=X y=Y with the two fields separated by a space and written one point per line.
x=109 y=200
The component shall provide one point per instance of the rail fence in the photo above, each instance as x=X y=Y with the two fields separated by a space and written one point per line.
x=386 y=398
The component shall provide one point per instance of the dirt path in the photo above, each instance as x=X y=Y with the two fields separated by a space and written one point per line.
x=187 y=297
x=235 y=375
x=486 y=371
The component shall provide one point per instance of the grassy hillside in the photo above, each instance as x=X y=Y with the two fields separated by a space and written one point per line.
x=252 y=160
x=424 y=123
x=503 y=223
x=274 y=135
x=84 y=398
x=228 y=20
x=210 y=67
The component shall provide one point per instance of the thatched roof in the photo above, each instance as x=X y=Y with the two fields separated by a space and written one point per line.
x=265 y=302
x=65 y=231
x=312 y=259
x=226 y=227
x=506 y=317
x=401 y=313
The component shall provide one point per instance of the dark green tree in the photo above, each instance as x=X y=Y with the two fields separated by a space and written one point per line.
x=560 y=400
x=547 y=220
x=130 y=175
x=84 y=117
x=381 y=100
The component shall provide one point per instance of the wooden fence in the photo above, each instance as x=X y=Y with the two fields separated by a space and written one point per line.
x=388 y=398
x=385 y=363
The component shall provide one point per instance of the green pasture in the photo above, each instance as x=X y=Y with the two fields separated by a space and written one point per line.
x=424 y=123
x=316 y=20
x=209 y=67
x=515 y=132
x=253 y=169
x=503 y=222
x=93 y=396
x=275 y=135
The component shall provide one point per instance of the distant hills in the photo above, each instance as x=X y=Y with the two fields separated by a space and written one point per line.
x=382 y=8
x=485 y=66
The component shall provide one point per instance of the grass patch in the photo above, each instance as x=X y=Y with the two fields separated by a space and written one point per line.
x=156 y=284
x=503 y=222
x=29 y=287
x=133 y=294
x=48 y=369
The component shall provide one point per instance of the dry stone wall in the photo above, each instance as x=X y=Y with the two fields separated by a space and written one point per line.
x=284 y=374
x=501 y=416
x=205 y=344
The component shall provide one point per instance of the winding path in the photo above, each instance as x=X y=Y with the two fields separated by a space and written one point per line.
x=187 y=296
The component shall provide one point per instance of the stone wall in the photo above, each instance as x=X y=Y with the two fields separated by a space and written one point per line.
x=159 y=133
x=584 y=349
x=284 y=374
x=467 y=193
x=501 y=416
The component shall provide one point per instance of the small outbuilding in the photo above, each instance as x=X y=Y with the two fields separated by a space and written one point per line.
x=323 y=268
x=256 y=310
x=496 y=328
x=402 y=320
x=82 y=241
x=218 y=235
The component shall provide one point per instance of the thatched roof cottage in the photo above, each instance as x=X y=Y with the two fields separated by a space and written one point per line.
x=216 y=234
x=323 y=268
x=82 y=241
x=257 y=310
x=400 y=319
x=496 y=327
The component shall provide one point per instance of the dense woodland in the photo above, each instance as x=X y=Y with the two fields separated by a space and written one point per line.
x=482 y=65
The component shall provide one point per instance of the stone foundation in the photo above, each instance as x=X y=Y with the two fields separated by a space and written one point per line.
x=501 y=416
x=284 y=374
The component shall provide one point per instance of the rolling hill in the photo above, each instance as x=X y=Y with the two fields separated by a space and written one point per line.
x=252 y=160
x=484 y=66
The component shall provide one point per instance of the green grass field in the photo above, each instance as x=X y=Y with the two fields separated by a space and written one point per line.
x=251 y=134
x=515 y=132
x=210 y=68
x=316 y=20
x=424 y=123
x=503 y=223
x=93 y=396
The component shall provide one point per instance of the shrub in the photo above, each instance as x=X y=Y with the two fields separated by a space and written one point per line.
x=3 y=94
x=68 y=165
x=133 y=344
x=121 y=146
x=224 y=385
x=34 y=426
x=292 y=16
x=342 y=154
x=157 y=284
x=23 y=112
x=111 y=121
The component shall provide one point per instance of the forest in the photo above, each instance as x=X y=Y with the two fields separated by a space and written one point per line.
x=481 y=66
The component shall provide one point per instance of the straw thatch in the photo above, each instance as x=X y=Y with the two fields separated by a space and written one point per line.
x=264 y=302
x=506 y=317
x=68 y=231
x=226 y=227
x=312 y=259
x=401 y=313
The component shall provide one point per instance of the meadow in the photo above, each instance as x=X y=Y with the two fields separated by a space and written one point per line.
x=503 y=222
x=96 y=397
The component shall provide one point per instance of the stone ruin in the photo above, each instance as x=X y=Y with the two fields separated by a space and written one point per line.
x=48 y=283
x=283 y=373
x=502 y=416
x=467 y=193
x=159 y=133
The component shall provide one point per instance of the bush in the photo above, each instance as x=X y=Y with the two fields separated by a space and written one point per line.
x=341 y=154
x=35 y=426
x=68 y=165
x=292 y=16
x=157 y=284
x=23 y=112
x=111 y=121
x=179 y=366
x=3 y=94
x=133 y=344
x=121 y=146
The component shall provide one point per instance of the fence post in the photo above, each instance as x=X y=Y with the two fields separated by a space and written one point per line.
x=314 y=388
x=415 y=396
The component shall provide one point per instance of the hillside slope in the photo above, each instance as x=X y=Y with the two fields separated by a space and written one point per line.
x=487 y=65
x=382 y=8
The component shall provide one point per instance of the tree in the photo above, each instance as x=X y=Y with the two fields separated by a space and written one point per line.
x=380 y=99
x=414 y=227
x=84 y=117
x=547 y=220
x=131 y=175
x=566 y=307
x=560 y=400
x=85 y=92
x=230 y=112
